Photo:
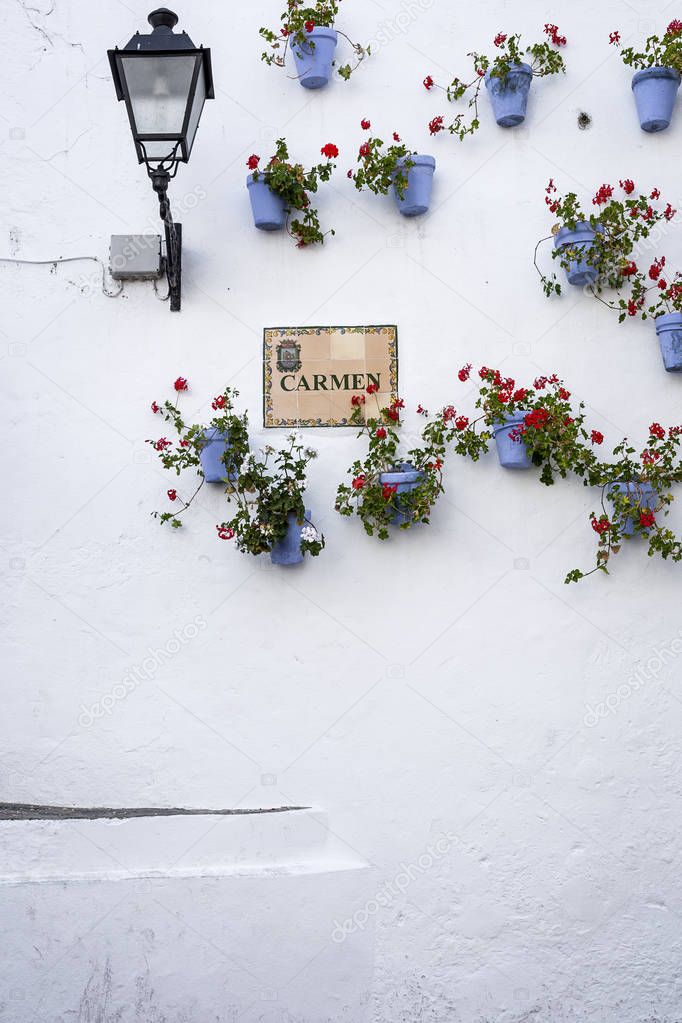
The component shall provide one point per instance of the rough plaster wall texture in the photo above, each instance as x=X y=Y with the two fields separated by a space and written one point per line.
x=440 y=682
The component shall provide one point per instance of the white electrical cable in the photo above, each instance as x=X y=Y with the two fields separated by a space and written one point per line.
x=67 y=259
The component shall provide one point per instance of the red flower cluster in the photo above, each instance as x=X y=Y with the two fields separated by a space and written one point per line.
x=218 y=402
x=223 y=533
x=161 y=444
x=597 y=437
x=674 y=28
x=364 y=123
x=647 y=519
x=628 y=186
x=364 y=149
x=309 y=26
x=461 y=422
x=436 y=125
x=372 y=388
x=253 y=161
x=388 y=490
x=359 y=482
x=537 y=418
x=656 y=430
x=656 y=268
x=500 y=39
x=614 y=38
x=180 y=384
x=553 y=32
x=600 y=525
x=330 y=150
x=357 y=399
x=396 y=136
x=465 y=372
x=155 y=408
x=629 y=269
x=449 y=413
x=380 y=434
x=428 y=82
x=603 y=195
x=172 y=495
x=669 y=212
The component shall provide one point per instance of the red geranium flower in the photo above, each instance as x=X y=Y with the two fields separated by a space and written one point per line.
x=600 y=525
x=180 y=384
x=253 y=161
x=436 y=125
x=218 y=402
x=499 y=39
x=309 y=26
x=464 y=372
x=172 y=495
x=614 y=38
x=428 y=82
x=461 y=422
x=364 y=149
x=553 y=32
x=380 y=434
x=628 y=186
x=330 y=150
x=647 y=519
x=603 y=194
x=396 y=136
x=224 y=533
x=359 y=482
x=656 y=430
x=155 y=408
x=597 y=437
x=364 y=123
x=674 y=28
x=162 y=443
x=629 y=269
x=388 y=490
x=372 y=388
x=357 y=399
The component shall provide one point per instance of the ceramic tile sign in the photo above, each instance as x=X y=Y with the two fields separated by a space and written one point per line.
x=310 y=374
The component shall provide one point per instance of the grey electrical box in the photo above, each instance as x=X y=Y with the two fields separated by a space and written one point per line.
x=135 y=257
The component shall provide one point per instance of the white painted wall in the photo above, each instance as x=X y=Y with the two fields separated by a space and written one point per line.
x=437 y=684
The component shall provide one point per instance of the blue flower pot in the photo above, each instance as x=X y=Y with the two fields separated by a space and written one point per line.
x=580 y=272
x=509 y=96
x=655 y=89
x=314 y=62
x=417 y=196
x=211 y=457
x=407 y=479
x=288 y=550
x=511 y=450
x=669 y=330
x=642 y=493
x=269 y=211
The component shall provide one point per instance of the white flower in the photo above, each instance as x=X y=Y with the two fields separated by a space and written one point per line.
x=309 y=534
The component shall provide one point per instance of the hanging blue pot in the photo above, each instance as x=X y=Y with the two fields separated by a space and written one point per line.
x=642 y=494
x=509 y=96
x=669 y=330
x=406 y=479
x=211 y=456
x=315 y=57
x=581 y=241
x=417 y=196
x=655 y=89
x=287 y=551
x=511 y=449
x=269 y=211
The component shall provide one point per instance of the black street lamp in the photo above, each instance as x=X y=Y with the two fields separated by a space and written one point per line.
x=164 y=79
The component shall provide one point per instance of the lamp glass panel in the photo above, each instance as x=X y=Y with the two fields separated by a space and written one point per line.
x=159 y=87
x=197 y=107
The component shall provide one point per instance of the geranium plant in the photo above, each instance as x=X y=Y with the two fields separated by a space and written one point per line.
x=380 y=166
x=543 y=58
x=267 y=490
x=550 y=428
x=376 y=501
x=293 y=183
x=268 y=494
x=298 y=22
x=617 y=228
x=184 y=453
x=658 y=51
x=636 y=494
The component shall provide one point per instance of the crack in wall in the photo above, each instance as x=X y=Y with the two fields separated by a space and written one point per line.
x=36 y=812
